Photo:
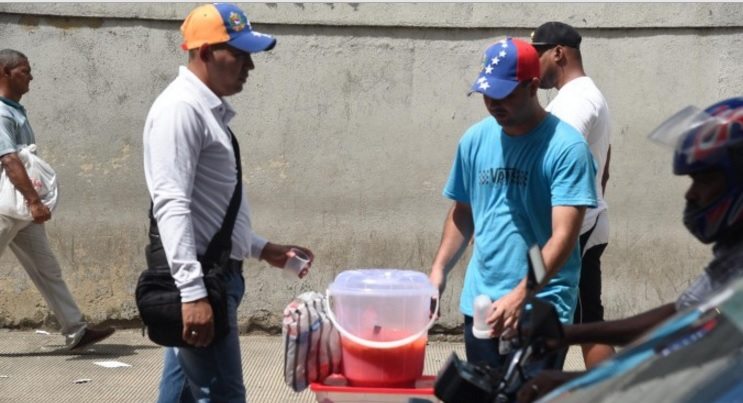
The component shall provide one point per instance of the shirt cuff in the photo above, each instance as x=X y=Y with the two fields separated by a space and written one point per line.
x=6 y=151
x=256 y=246
x=193 y=290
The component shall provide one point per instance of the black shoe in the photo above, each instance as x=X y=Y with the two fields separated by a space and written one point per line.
x=92 y=335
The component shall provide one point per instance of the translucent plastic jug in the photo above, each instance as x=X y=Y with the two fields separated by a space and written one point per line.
x=383 y=316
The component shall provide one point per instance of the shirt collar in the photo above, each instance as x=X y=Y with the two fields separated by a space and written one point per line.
x=218 y=105
x=13 y=103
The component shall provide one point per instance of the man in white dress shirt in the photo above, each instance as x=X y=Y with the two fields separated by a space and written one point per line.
x=581 y=104
x=192 y=171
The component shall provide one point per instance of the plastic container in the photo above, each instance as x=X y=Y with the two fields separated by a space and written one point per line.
x=481 y=307
x=383 y=317
x=423 y=389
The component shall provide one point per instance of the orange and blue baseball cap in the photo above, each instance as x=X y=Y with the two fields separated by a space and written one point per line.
x=223 y=23
x=505 y=64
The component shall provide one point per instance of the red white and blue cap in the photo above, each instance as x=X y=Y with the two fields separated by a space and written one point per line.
x=223 y=23
x=505 y=64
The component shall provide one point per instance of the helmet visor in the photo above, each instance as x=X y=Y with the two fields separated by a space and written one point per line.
x=671 y=131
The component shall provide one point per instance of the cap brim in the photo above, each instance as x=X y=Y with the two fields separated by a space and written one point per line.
x=551 y=44
x=253 y=42
x=496 y=89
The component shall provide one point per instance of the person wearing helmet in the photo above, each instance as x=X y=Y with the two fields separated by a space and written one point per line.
x=709 y=149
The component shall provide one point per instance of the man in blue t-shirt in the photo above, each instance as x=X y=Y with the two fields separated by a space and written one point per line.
x=520 y=177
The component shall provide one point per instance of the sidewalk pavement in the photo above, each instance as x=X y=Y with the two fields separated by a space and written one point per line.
x=34 y=367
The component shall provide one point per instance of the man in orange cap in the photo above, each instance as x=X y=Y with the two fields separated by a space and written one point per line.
x=193 y=174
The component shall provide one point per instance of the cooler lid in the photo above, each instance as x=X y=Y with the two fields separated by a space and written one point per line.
x=384 y=280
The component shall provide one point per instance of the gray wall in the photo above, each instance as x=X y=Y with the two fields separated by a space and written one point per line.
x=348 y=129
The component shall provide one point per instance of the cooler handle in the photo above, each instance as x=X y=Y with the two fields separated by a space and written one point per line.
x=377 y=344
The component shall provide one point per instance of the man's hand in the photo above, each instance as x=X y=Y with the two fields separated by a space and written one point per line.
x=506 y=310
x=19 y=178
x=39 y=212
x=198 y=322
x=276 y=255
x=543 y=383
x=438 y=280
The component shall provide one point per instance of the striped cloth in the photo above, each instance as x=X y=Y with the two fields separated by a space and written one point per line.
x=312 y=347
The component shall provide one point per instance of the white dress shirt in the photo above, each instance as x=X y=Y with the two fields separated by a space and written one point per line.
x=189 y=166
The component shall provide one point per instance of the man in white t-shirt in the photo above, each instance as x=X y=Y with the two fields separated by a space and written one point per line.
x=580 y=103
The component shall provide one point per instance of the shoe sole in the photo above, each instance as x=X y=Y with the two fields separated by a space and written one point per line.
x=91 y=342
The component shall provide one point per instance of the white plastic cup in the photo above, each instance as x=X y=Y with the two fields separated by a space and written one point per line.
x=481 y=307
x=298 y=264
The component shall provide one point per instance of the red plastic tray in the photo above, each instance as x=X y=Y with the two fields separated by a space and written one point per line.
x=343 y=394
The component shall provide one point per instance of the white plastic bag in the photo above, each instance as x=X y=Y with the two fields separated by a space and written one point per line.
x=312 y=347
x=43 y=178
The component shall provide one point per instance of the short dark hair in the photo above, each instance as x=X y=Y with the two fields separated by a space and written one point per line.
x=10 y=59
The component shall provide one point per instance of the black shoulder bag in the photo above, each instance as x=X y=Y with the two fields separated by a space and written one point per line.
x=159 y=300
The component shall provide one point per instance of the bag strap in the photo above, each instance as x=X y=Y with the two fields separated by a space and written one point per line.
x=220 y=246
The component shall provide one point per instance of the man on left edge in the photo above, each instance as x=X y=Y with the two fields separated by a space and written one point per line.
x=27 y=238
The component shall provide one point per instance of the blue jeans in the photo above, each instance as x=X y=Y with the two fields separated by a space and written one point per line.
x=213 y=373
x=481 y=351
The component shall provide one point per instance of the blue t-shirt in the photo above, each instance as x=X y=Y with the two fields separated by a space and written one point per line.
x=511 y=183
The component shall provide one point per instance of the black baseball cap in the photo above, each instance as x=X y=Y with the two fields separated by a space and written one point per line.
x=556 y=33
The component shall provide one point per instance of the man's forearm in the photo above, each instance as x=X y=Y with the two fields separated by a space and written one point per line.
x=566 y=222
x=457 y=231
x=618 y=332
x=555 y=253
x=19 y=177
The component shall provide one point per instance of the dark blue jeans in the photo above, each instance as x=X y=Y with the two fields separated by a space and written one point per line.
x=481 y=351
x=213 y=373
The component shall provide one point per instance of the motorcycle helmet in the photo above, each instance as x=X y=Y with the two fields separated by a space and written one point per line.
x=709 y=140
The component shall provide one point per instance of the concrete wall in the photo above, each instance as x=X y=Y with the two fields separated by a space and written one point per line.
x=348 y=129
